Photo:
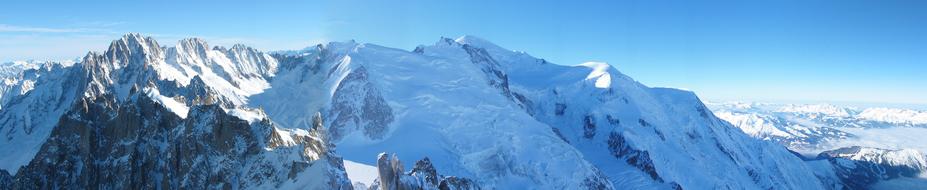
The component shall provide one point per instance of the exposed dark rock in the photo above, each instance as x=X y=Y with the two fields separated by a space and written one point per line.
x=419 y=50
x=424 y=170
x=637 y=158
x=675 y=186
x=496 y=77
x=422 y=176
x=559 y=134
x=489 y=66
x=659 y=134
x=524 y=102
x=371 y=115
x=138 y=144
x=597 y=182
x=389 y=171
x=589 y=127
x=6 y=180
x=559 y=108
x=457 y=183
x=614 y=121
x=643 y=123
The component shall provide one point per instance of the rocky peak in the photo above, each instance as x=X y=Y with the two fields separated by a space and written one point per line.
x=444 y=41
x=6 y=180
x=389 y=169
x=425 y=170
x=195 y=47
x=251 y=62
x=133 y=47
x=422 y=176
x=139 y=144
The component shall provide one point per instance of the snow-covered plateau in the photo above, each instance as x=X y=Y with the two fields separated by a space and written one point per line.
x=468 y=114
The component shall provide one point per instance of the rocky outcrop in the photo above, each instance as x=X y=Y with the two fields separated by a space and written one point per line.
x=6 y=181
x=139 y=144
x=422 y=176
x=622 y=150
x=358 y=105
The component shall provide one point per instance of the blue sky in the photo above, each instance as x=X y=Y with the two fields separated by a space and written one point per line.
x=781 y=50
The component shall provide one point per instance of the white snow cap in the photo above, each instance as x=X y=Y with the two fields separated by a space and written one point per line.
x=599 y=74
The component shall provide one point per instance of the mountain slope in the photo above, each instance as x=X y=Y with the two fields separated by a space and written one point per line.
x=382 y=99
x=665 y=134
x=144 y=116
x=140 y=115
x=480 y=111
x=862 y=167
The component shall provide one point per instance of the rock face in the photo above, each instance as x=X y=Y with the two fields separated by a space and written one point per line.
x=860 y=167
x=6 y=181
x=141 y=145
x=142 y=116
x=358 y=105
x=422 y=176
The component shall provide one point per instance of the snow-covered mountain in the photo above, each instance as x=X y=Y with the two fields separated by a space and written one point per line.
x=812 y=126
x=861 y=167
x=18 y=77
x=833 y=115
x=16 y=68
x=142 y=115
x=481 y=111
x=797 y=127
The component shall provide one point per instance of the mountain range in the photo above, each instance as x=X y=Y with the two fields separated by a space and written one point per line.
x=852 y=139
x=474 y=114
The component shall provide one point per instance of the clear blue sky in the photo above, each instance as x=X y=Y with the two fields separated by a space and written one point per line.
x=836 y=50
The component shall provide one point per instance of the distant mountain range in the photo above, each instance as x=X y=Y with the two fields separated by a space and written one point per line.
x=813 y=127
x=809 y=126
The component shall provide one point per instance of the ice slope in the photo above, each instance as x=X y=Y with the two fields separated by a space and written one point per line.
x=360 y=173
x=622 y=126
x=26 y=120
x=380 y=99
